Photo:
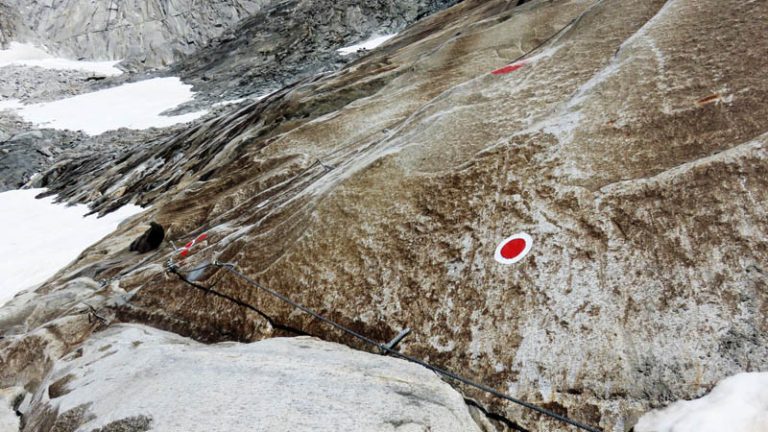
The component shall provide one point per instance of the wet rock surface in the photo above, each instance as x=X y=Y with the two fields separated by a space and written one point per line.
x=630 y=143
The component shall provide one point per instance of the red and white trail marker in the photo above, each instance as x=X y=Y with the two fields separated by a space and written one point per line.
x=187 y=247
x=513 y=248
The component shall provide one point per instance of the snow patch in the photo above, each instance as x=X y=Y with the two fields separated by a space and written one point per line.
x=20 y=54
x=369 y=44
x=737 y=404
x=243 y=99
x=229 y=102
x=136 y=105
x=10 y=104
x=42 y=237
x=9 y=421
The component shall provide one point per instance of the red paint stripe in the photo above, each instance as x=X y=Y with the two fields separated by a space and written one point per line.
x=185 y=250
x=507 y=69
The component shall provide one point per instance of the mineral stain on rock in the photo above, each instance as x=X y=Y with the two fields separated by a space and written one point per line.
x=709 y=99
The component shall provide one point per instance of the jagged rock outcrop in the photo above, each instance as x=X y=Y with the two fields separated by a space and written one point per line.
x=283 y=384
x=287 y=41
x=631 y=145
x=25 y=152
x=144 y=33
x=169 y=30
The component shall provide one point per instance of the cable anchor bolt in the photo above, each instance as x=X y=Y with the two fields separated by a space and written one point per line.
x=390 y=346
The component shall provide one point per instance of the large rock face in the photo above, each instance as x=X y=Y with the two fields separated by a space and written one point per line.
x=631 y=145
x=143 y=32
x=136 y=378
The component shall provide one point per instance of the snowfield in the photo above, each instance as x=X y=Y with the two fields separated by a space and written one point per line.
x=737 y=404
x=20 y=54
x=42 y=237
x=369 y=44
x=135 y=105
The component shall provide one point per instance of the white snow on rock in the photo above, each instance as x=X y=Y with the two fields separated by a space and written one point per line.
x=135 y=105
x=369 y=44
x=229 y=102
x=10 y=104
x=20 y=54
x=9 y=421
x=737 y=404
x=41 y=237
x=282 y=384
x=251 y=98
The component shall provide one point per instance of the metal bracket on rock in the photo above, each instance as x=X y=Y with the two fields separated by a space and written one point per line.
x=326 y=167
x=390 y=346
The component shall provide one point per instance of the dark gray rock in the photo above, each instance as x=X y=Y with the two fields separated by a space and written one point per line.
x=35 y=84
x=24 y=153
x=150 y=240
x=289 y=40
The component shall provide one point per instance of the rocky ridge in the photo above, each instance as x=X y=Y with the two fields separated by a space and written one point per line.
x=288 y=41
x=630 y=144
x=165 y=30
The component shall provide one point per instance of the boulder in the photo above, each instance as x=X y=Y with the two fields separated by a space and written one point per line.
x=136 y=378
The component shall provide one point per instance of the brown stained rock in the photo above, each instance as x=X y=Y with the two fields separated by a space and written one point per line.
x=646 y=280
x=59 y=387
x=26 y=359
x=130 y=424
x=46 y=419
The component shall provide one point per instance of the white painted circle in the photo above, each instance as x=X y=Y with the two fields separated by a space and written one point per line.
x=519 y=236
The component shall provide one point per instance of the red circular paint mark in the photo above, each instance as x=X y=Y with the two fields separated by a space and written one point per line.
x=513 y=248
x=507 y=69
